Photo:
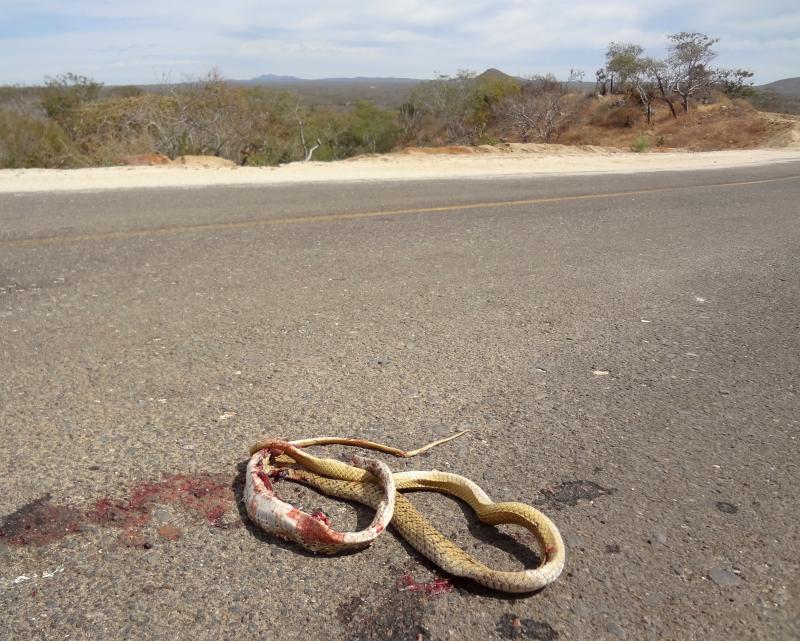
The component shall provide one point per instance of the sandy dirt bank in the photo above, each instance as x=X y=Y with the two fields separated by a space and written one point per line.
x=509 y=160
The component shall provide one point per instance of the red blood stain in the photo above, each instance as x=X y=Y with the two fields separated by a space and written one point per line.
x=265 y=480
x=41 y=522
x=206 y=495
x=431 y=589
x=321 y=517
x=110 y=512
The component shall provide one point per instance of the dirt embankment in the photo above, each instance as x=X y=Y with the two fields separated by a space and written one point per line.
x=726 y=124
x=159 y=160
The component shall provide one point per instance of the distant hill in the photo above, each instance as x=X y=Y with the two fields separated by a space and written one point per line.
x=273 y=80
x=270 y=79
x=282 y=81
x=339 y=92
x=496 y=74
x=788 y=87
x=574 y=85
x=389 y=92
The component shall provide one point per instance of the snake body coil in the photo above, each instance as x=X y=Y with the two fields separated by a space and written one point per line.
x=371 y=483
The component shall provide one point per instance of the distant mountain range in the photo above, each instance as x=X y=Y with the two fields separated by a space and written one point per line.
x=788 y=87
x=286 y=81
x=273 y=80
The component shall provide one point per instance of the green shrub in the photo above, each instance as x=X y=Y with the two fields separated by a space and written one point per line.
x=366 y=129
x=210 y=117
x=642 y=143
x=26 y=141
x=71 y=123
x=64 y=95
x=371 y=129
x=109 y=129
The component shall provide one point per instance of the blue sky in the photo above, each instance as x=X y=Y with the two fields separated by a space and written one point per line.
x=148 y=41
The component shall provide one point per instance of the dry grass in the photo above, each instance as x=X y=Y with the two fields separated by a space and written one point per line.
x=725 y=124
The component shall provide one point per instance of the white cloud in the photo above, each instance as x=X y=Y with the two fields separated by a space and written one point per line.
x=120 y=42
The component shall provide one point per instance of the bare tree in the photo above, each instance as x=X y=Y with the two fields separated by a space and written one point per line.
x=540 y=110
x=644 y=82
x=690 y=54
x=308 y=152
x=451 y=101
x=217 y=118
x=665 y=79
x=576 y=76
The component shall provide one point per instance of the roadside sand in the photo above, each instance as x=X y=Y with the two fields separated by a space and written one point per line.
x=508 y=160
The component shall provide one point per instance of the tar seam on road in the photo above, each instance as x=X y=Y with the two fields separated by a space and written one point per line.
x=314 y=218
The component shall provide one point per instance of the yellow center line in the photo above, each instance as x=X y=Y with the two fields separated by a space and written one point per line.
x=314 y=218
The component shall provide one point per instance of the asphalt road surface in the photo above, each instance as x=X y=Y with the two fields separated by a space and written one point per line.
x=624 y=350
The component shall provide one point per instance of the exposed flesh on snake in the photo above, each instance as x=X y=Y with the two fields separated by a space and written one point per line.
x=370 y=482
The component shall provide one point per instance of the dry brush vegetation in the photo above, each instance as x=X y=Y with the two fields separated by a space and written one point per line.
x=637 y=102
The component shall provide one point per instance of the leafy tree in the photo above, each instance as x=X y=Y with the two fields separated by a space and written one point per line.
x=642 y=74
x=735 y=83
x=623 y=59
x=690 y=55
x=685 y=71
x=491 y=89
x=375 y=130
x=65 y=94
x=363 y=130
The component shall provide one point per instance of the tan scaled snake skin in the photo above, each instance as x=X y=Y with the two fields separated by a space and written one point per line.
x=369 y=481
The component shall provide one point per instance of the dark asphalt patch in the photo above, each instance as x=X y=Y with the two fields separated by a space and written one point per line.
x=570 y=492
x=511 y=626
x=204 y=496
x=726 y=508
x=40 y=522
x=385 y=613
